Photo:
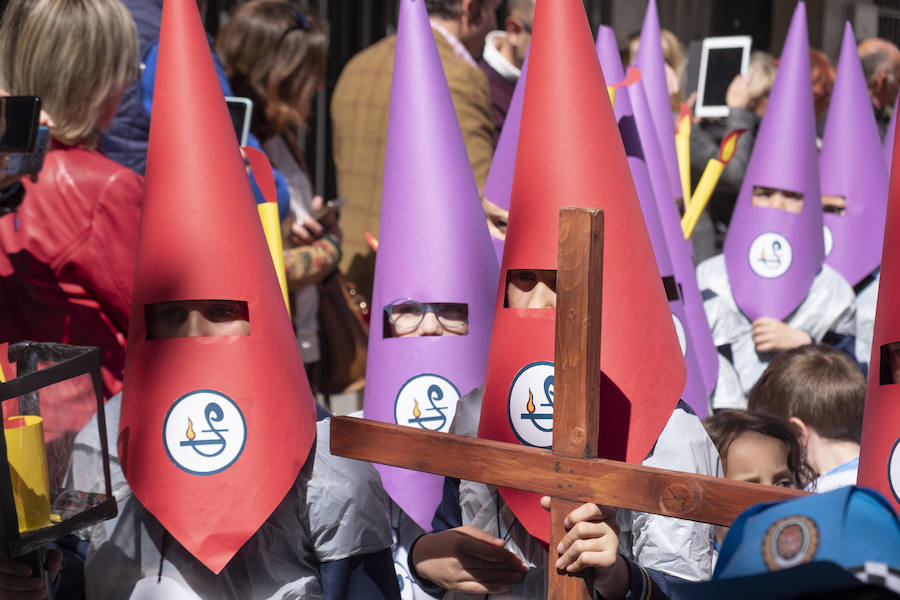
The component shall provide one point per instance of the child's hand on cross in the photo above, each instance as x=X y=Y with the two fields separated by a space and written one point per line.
x=592 y=541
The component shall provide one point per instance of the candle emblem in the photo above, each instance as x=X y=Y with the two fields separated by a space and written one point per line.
x=530 y=404
x=435 y=411
x=210 y=449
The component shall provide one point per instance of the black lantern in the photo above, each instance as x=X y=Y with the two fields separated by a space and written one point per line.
x=56 y=478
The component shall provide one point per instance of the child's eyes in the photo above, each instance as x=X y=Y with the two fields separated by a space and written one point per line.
x=173 y=314
x=525 y=276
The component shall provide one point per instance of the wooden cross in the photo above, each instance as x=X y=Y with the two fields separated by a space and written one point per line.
x=570 y=474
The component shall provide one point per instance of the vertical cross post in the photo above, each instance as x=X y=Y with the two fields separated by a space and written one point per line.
x=576 y=410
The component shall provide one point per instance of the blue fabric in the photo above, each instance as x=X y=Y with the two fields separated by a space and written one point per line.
x=126 y=139
x=847 y=345
x=257 y=193
x=647 y=584
x=69 y=583
x=448 y=514
x=362 y=577
x=322 y=412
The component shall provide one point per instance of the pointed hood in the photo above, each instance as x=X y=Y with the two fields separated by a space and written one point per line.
x=433 y=246
x=203 y=416
x=771 y=255
x=679 y=250
x=570 y=152
x=879 y=457
x=650 y=60
x=498 y=186
x=694 y=393
x=851 y=166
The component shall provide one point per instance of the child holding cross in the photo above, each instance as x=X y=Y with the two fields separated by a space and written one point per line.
x=473 y=558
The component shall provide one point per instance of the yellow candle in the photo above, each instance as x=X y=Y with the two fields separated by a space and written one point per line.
x=704 y=190
x=683 y=151
x=708 y=182
x=683 y=148
x=612 y=94
x=268 y=214
x=28 y=470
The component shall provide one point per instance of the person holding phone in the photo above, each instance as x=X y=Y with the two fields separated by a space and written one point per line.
x=276 y=56
x=746 y=98
x=26 y=109
x=67 y=252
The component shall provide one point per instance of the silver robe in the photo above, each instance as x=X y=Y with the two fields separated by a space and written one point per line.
x=337 y=508
x=829 y=306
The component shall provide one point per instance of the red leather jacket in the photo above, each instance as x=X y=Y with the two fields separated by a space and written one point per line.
x=67 y=258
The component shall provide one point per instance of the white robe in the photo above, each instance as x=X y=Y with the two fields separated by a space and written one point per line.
x=866 y=300
x=829 y=306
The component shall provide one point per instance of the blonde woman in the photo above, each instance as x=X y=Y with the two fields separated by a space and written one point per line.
x=67 y=255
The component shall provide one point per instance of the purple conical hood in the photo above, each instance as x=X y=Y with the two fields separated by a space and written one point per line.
x=771 y=255
x=498 y=186
x=639 y=136
x=888 y=143
x=650 y=60
x=851 y=166
x=434 y=246
x=694 y=393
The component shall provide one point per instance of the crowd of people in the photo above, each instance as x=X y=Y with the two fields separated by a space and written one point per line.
x=749 y=348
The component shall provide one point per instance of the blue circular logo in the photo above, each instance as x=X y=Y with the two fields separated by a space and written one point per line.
x=530 y=404
x=427 y=401
x=204 y=432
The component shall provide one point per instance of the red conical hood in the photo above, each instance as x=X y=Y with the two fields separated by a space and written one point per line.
x=879 y=457
x=570 y=154
x=214 y=430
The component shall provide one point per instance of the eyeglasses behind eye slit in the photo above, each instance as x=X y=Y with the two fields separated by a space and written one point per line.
x=407 y=314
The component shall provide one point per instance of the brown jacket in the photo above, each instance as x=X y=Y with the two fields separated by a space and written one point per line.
x=359 y=111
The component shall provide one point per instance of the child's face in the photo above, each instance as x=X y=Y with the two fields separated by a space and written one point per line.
x=834 y=204
x=197 y=318
x=531 y=288
x=894 y=357
x=758 y=458
x=767 y=197
x=410 y=318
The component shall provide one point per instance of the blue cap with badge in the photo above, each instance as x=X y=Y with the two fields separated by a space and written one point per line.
x=838 y=540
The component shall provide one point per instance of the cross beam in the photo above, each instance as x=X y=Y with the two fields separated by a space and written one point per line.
x=570 y=474
x=609 y=482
